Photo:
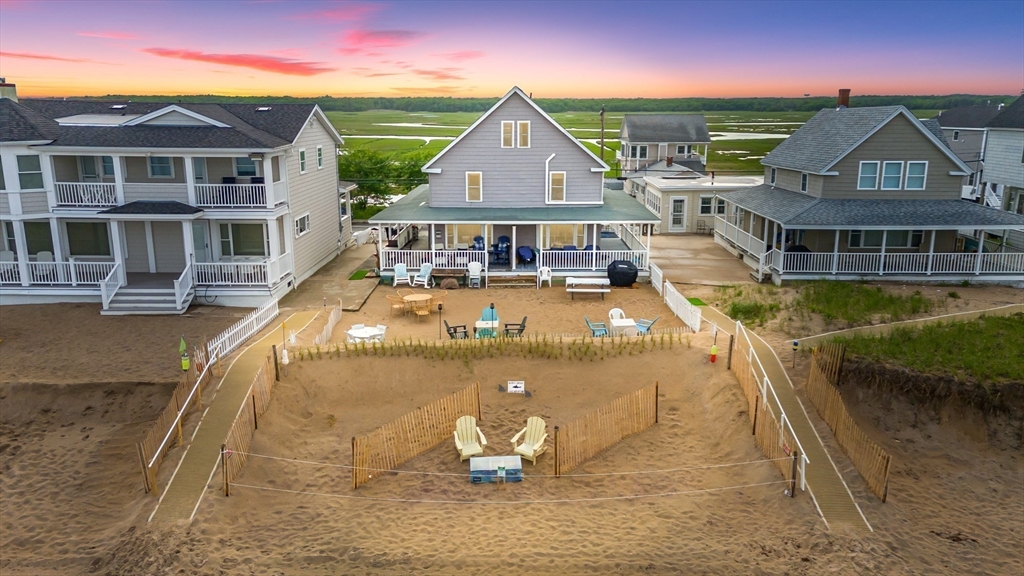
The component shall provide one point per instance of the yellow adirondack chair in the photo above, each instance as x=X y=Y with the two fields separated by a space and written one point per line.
x=533 y=443
x=469 y=440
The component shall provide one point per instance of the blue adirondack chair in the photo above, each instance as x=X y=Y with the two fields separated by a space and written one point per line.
x=644 y=326
x=597 y=329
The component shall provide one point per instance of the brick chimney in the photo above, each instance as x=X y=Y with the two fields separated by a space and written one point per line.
x=8 y=91
x=668 y=161
x=844 y=98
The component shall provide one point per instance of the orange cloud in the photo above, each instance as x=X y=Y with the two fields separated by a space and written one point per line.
x=110 y=35
x=34 y=56
x=461 y=55
x=253 y=61
x=439 y=75
x=359 y=41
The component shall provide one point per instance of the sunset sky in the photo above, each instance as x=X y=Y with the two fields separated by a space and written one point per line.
x=477 y=48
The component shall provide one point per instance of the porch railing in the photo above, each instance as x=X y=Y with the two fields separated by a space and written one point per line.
x=110 y=285
x=279 y=267
x=232 y=273
x=182 y=286
x=86 y=194
x=438 y=258
x=10 y=273
x=752 y=244
x=631 y=240
x=590 y=259
x=898 y=263
x=69 y=273
x=232 y=195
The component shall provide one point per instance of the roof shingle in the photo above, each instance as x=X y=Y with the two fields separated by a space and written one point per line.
x=21 y=124
x=1012 y=116
x=967 y=116
x=826 y=137
x=665 y=128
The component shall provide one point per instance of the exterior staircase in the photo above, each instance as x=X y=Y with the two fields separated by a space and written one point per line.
x=150 y=301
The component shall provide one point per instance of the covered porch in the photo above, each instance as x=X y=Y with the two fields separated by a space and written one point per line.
x=783 y=235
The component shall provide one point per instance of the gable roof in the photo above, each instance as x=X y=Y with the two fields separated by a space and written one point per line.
x=21 y=124
x=933 y=126
x=835 y=132
x=230 y=126
x=967 y=116
x=1012 y=116
x=516 y=90
x=665 y=128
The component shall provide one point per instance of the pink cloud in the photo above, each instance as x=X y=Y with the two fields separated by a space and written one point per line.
x=110 y=35
x=344 y=12
x=362 y=41
x=371 y=73
x=34 y=56
x=440 y=74
x=461 y=55
x=428 y=90
x=253 y=61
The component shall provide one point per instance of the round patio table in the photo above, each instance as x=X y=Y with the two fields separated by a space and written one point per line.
x=414 y=298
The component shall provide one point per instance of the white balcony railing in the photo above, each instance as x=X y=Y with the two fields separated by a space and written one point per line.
x=232 y=273
x=10 y=273
x=859 y=263
x=452 y=259
x=86 y=194
x=590 y=259
x=70 y=273
x=233 y=195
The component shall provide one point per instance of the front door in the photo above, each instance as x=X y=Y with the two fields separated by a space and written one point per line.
x=677 y=222
x=201 y=241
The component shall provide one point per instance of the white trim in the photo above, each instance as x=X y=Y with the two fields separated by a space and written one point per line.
x=671 y=212
x=511 y=134
x=551 y=184
x=481 y=185
x=234 y=166
x=805 y=182
x=316 y=111
x=149 y=166
x=924 y=177
x=302 y=160
x=881 y=183
x=700 y=204
x=319 y=157
x=773 y=176
x=307 y=228
x=516 y=90
x=174 y=108
x=860 y=241
x=860 y=173
x=956 y=135
x=519 y=133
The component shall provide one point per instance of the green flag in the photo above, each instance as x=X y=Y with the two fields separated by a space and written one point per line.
x=182 y=347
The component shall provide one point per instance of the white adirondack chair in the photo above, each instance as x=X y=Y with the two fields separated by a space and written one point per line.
x=533 y=443
x=469 y=440
x=401 y=274
x=423 y=278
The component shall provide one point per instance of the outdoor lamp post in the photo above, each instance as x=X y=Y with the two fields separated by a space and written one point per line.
x=440 y=307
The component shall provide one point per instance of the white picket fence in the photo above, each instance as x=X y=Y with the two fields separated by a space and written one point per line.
x=230 y=339
x=688 y=313
x=325 y=336
x=657 y=278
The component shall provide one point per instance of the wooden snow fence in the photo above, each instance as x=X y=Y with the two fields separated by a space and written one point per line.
x=870 y=459
x=401 y=440
x=238 y=442
x=166 y=431
x=578 y=441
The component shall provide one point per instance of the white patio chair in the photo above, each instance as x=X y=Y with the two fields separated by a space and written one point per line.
x=401 y=275
x=383 y=330
x=45 y=271
x=543 y=274
x=616 y=314
x=423 y=278
x=475 y=268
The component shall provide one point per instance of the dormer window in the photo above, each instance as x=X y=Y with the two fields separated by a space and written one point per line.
x=803 y=182
x=508 y=134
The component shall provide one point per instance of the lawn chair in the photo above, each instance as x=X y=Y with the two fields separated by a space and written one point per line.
x=424 y=276
x=515 y=330
x=45 y=270
x=616 y=314
x=397 y=303
x=469 y=440
x=421 y=309
x=597 y=329
x=403 y=292
x=438 y=299
x=533 y=443
x=457 y=332
x=401 y=275
x=543 y=274
x=475 y=268
x=383 y=330
x=644 y=326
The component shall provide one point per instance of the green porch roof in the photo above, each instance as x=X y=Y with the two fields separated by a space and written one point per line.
x=618 y=208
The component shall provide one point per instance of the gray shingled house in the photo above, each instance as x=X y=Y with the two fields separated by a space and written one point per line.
x=515 y=192
x=865 y=192
x=145 y=206
x=1004 y=165
x=964 y=131
x=674 y=139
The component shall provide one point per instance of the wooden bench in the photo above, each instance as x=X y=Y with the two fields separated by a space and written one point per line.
x=459 y=274
x=587 y=285
x=602 y=291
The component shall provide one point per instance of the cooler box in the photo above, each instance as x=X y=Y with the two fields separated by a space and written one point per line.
x=485 y=468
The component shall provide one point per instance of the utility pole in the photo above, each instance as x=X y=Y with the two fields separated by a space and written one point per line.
x=602 y=133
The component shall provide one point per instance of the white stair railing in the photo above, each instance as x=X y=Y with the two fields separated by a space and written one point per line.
x=182 y=286
x=110 y=285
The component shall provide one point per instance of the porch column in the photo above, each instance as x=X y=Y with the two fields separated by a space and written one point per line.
x=22 y=248
x=512 y=249
x=782 y=253
x=115 y=239
x=58 y=254
x=835 y=254
x=289 y=244
x=118 y=180
x=150 y=247
x=593 y=248
x=268 y=182
x=51 y=190
x=431 y=246
x=190 y=179
x=881 y=259
x=981 y=246
x=487 y=246
x=190 y=245
x=274 y=256
x=931 y=251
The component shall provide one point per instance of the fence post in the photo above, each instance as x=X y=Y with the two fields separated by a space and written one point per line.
x=557 y=467
x=753 y=428
x=728 y=359
x=255 y=418
x=224 y=469
x=479 y=411
x=181 y=440
x=145 y=471
x=277 y=370
x=885 y=486
x=792 y=478
x=655 y=401
x=355 y=483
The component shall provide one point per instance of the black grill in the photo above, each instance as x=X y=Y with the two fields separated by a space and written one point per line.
x=622 y=273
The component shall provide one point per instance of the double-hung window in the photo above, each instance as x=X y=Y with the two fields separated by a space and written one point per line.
x=474 y=186
x=160 y=167
x=720 y=207
x=245 y=166
x=302 y=161
x=319 y=157
x=956 y=135
x=867 y=179
x=556 y=187
x=30 y=172
x=803 y=182
x=893 y=238
x=524 y=133
x=706 y=205
x=772 y=176
x=917 y=173
x=301 y=225
x=508 y=129
x=107 y=163
x=892 y=175
x=638 y=152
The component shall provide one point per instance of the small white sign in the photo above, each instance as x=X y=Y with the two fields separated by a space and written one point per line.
x=517 y=387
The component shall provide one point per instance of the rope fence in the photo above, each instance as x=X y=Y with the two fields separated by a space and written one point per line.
x=584 y=438
x=870 y=459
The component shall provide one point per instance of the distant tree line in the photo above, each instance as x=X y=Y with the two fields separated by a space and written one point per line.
x=551 y=105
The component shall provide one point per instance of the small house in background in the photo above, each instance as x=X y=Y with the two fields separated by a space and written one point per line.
x=964 y=130
x=1004 y=166
x=515 y=193
x=678 y=139
x=685 y=201
x=867 y=193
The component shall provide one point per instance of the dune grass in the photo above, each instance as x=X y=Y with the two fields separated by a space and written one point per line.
x=987 y=349
x=857 y=304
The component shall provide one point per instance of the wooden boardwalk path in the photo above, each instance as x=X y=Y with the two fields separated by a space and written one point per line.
x=180 y=499
x=826 y=484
